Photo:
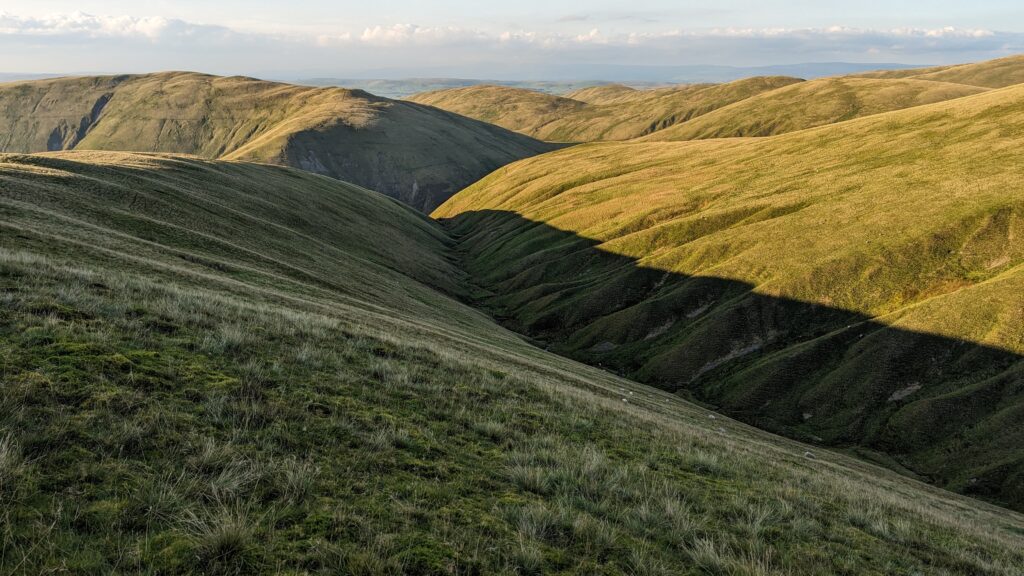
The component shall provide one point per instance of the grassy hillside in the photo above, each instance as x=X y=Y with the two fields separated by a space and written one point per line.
x=998 y=73
x=602 y=94
x=417 y=154
x=761 y=106
x=604 y=113
x=860 y=283
x=519 y=109
x=813 y=103
x=215 y=367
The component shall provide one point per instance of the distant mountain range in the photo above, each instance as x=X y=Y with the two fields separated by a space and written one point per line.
x=555 y=79
x=15 y=76
x=399 y=83
x=409 y=86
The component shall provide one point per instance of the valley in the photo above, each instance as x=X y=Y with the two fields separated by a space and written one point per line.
x=705 y=267
x=768 y=326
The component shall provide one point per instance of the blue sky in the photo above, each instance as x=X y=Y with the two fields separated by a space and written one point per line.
x=471 y=38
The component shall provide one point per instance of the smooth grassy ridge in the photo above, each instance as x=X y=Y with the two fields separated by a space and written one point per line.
x=998 y=73
x=417 y=154
x=213 y=367
x=604 y=94
x=813 y=103
x=860 y=284
x=602 y=113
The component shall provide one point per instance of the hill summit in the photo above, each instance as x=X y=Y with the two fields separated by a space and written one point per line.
x=417 y=154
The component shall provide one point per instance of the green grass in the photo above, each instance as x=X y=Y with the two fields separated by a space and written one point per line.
x=418 y=154
x=600 y=113
x=859 y=283
x=215 y=367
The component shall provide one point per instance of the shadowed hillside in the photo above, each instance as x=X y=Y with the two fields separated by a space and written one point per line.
x=907 y=219
x=417 y=154
x=217 y=367
x=942 y=408
x=813 y=103
x=601 y=113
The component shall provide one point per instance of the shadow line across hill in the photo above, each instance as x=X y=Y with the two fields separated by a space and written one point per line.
x=949 y=410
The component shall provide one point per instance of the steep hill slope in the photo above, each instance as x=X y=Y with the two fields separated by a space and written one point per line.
x=612 y=113
x=214 y=367
x=998 y=73
x=417 y=154
x=813 y=103
x=860 y=283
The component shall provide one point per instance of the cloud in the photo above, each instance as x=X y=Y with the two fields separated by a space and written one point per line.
x=80 y=25
x=127 y=42
x=411 y=34
x=832 y=40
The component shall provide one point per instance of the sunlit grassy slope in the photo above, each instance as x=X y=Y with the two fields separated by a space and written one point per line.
x=604 y=94
x=991 y=74
x=862 y=283
x=418 y=154
x=813 y=103
x=603 y=113
x=214 y=367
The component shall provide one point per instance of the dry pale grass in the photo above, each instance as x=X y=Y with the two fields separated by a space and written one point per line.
x=998 y=73
x=602 y=113
x=813 y=103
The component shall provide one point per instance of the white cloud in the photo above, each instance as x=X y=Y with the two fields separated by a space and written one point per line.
x=41 y=42
x=88 y=26
x=84 y=25
x=411 y=34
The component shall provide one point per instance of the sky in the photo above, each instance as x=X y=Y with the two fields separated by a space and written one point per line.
x=479 y=39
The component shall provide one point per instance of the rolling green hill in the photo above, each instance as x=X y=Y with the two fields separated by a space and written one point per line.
x=813 y=103
x=860 y=283
x=998 y=73
x=601 y=113
x=220 y=367
x=417 y=154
